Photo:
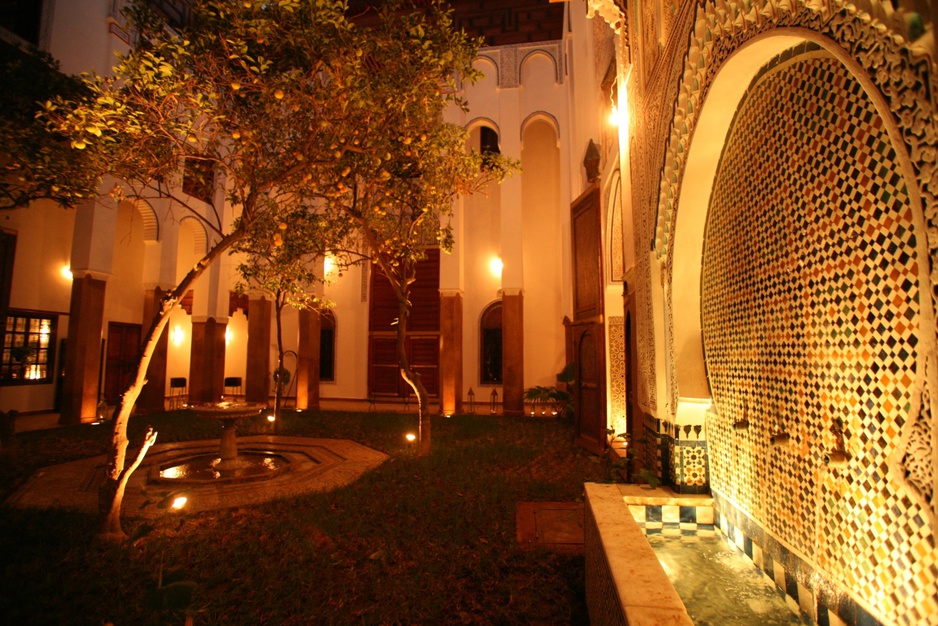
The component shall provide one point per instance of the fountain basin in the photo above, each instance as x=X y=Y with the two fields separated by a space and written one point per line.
x=228 y=413
x=250 y=465
x=228 y=410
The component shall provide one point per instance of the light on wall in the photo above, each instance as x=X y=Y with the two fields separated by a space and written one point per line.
x=614 y=115
x=496 y=266
x=178 y=335
x=228 y=335
x=66 y=272
x=330 y=268
x=619 y=115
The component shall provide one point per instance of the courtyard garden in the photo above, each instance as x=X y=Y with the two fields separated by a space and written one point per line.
x=419 y=540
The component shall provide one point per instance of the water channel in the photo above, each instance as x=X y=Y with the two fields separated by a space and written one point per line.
x=719 y=585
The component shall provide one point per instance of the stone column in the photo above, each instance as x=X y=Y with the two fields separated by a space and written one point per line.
x=451 y=303
x=92 y=260
x=152 y=398
x=512 y=252
x=83 y=352
x=257 y=379
x=207 y=360
x=307 y=362
x=513 y=352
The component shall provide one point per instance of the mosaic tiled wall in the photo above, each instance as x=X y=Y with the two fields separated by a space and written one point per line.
x=616 y=352
x=810 y=308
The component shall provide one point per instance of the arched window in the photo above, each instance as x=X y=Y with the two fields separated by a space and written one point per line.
x=490 y=339
x=488 y=141
x=488 y=145
x=326 y=346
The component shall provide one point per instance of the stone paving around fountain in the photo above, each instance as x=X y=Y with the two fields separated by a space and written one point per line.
x=314 y=465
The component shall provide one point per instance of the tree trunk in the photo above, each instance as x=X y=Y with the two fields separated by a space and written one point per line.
x=413 y=379
x=279 y=301
x=111 y=494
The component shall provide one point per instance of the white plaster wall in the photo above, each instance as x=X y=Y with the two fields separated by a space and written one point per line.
x=483 y=95
x=79 y=38
x=123 y=297
x=481 y=244
x=351 y=337
x=236 y=346
x=544 y=349
x=43 y=248
x=290 y=328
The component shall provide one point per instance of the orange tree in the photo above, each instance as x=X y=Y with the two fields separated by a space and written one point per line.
x=257 y=97
x=34 y=163
x=398 y=185
x=280 y=257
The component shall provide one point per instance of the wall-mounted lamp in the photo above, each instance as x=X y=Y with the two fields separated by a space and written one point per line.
x=178 y=335
x=228 y=335
x=330 y=269
x=66 y=272
x=496 y=266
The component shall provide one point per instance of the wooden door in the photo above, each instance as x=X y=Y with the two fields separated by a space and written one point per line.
x=590 y=388
x=120 y=365
x=384 y=374
x=422 y=342
x=587 y=326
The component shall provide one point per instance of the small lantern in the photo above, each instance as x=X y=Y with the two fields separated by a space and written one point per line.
x=101 y=411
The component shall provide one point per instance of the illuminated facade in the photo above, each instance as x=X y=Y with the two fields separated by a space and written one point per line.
x=545 y=97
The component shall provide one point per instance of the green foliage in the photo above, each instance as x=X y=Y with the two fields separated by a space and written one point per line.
x=35 y=163
x=256 y=94
x=649 y=477
x=282 y=377
x=615 y=466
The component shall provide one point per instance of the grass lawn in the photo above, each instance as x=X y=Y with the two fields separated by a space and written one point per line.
x=416 y=541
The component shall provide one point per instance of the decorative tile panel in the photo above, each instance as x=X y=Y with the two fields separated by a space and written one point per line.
x=616 y=351
x=811 y=322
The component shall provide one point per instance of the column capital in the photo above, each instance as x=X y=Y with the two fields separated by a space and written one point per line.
x=511 y=291
x=164 y=287
x=452 y=293
x=201 y=319
x=95 y=274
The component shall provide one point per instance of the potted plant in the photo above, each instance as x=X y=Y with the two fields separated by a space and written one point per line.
x=555 y=401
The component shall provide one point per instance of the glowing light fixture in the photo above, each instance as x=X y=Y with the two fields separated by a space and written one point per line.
x=178 y=335
x=179 y=502
x=228 y=336
x=410 y=437
x=496 y=266
x=330 y=268
x=66 y=272
x=271 y=418
x=175 y=471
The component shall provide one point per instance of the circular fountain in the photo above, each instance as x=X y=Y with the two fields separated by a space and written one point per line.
x=228 y=465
